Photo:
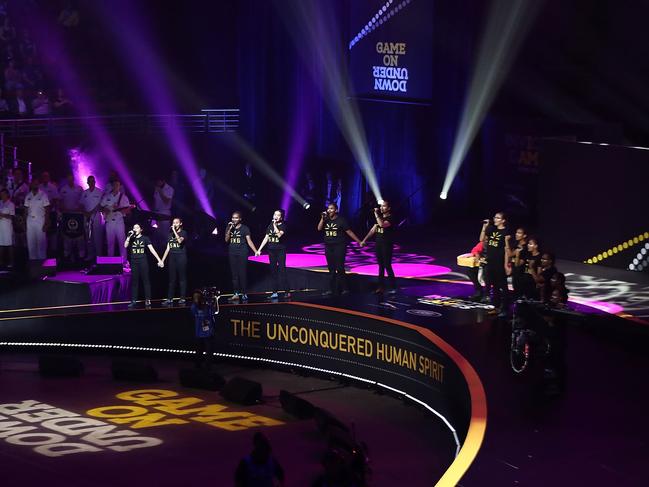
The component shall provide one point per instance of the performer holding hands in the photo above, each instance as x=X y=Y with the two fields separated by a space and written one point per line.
x=384 y=231
x=238 y=236
x=177 y=261
x=334 y=227
x=276 y=253
x=136 y=243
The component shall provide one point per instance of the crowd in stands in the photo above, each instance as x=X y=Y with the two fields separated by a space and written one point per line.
x=25 y=90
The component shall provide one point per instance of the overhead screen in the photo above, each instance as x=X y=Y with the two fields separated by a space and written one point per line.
x=390 y=49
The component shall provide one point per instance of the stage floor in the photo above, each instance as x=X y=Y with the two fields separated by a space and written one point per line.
x=402 y=441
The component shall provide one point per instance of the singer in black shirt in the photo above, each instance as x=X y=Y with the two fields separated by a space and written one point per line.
x=177 y=253
x=384 y=231
x=335 y=227
x=136 y=243
x=276 y=253
x=496 y=242
x=237 y=236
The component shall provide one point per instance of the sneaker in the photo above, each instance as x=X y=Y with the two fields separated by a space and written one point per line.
x=147 y=303
x=244 y=297
x=274 y=296
x=167 y=302
x=182 y=301
x=131 y=304
x=234 y=297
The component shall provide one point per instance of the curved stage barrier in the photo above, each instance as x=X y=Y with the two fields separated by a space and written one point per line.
x=399 y=357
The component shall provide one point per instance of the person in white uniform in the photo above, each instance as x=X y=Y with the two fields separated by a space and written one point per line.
x=7 y=212
x=70 y=194
x=94 y=220
x=162 y=200
x=114 y=205
x=36 y=206
x=51 y=189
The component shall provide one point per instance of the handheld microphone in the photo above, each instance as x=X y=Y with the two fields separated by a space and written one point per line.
x=486 y=220
x=130 y=233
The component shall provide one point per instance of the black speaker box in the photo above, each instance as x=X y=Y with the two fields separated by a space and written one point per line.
x=326 y=421
x=107 y=266
x=59 y=366
x=128 y=370
x=201 y=379
x=296 y=406
x=242 y=391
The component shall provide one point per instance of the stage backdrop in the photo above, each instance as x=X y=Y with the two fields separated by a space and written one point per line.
x=593 y=201
x=390 y=49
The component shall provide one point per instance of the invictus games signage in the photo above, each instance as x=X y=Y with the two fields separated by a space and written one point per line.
x=346 y=343
x=350 y=344
x=55 y=432
x=390 y=75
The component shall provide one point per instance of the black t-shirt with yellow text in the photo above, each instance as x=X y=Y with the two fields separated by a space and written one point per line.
x=385 y=234
x=495 y=244
x=174 y=246
x=238 y=242
x=334 y=230
x=138 y=245
x=275 y=241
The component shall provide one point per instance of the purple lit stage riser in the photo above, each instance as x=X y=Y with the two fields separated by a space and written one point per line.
x=362 y=260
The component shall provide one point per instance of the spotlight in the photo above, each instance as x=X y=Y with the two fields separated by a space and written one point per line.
x=504 y=33
x=379 y=202
x=306 y=206
x=215 y=231
x=443 y=195
x=154 y=224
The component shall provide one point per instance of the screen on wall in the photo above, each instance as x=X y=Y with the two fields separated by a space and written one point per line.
x=390 y=49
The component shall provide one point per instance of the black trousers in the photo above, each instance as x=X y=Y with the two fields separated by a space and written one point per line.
x=335 y=255
x=177 y=272
x=473 y=273
x=238 y=263
x=277 y=259
x=496 y=279
x=140 y=270
x=384 y=258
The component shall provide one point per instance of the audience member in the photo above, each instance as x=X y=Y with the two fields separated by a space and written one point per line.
x=13 y=76
x=7 y=212
x=18 y=105
x=260 y=468
x=41 y=104
x=62 y=105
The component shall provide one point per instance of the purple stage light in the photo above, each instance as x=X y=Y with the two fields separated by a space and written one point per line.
x=404 y=270
x=611 y=308
x=50 y=39
x=131 y=35
x=299 y=141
